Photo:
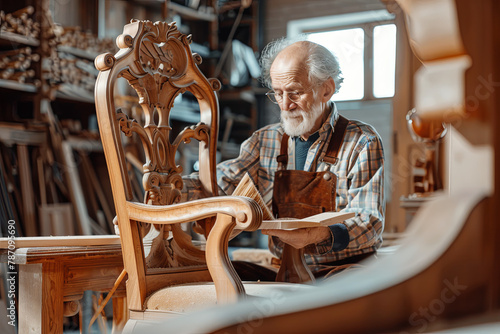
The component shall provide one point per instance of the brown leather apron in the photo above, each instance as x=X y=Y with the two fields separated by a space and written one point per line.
x=300 y=194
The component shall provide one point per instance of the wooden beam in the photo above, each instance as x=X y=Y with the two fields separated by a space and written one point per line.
x=94 y=240
x=28 y=198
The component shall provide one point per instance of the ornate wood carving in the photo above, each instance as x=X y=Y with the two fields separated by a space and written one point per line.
x=156 y=60
x=160 y=68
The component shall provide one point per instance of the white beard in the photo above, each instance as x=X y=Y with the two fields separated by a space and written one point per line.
x=300 y=122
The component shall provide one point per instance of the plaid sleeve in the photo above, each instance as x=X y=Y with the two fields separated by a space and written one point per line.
x=365 y=195
x=192 y=187
x=230 y=172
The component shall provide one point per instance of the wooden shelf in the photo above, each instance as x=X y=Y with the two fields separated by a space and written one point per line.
x=74 y=93
x=14 y=85
x=192 y=13
x=13 y=133
x=90 y=55
x=9 y=37
x=185 y=113
x=84 y=143
x=238 y=94
x=413 y=201
x=246 y=20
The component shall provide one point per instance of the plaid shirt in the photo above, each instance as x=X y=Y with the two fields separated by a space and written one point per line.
x=360 y=180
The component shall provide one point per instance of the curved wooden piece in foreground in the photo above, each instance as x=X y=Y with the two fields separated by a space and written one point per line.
x=438 y=272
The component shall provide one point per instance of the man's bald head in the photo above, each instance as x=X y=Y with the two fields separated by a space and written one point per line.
x=291 y=63
x=297 y=51
x=319 y=63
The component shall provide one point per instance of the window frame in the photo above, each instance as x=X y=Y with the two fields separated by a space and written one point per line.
x=367 y=21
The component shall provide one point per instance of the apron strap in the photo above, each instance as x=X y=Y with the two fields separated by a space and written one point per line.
x=331 y=155
x=283 y=156
x=333 y=147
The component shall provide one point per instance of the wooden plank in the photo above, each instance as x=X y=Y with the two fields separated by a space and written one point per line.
x=18 y=134
x=30 y=297
x=14 y=85
x=28 y=198
x=63 y=241
x=191 y=13
x=16 y=38
x=43 y=211
x=78 y=52
x=97 y=274
x=120 y=314
x=322 y=219
x=84 y=144
x=66 y=254
x=91 y=175
x=52 y=301
x=6 y=209
x=87 y=186
x=76 y=192
x=56 y=219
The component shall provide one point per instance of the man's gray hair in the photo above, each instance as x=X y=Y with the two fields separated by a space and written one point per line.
x=322 y=63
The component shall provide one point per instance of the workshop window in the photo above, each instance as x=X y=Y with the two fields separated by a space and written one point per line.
x=364 y=43
x=384 y=60
x=348 y=46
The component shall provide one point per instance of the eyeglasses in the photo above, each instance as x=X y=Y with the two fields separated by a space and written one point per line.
x=277 y=98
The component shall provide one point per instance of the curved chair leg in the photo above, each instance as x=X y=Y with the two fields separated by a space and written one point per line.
x=120 y=312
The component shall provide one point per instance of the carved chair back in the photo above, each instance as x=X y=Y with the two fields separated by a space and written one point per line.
x=156 y=60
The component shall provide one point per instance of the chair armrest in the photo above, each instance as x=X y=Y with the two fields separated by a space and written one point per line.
x=228 y=285
x=247 y=213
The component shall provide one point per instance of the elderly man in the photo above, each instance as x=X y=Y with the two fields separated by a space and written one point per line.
x=314 y=160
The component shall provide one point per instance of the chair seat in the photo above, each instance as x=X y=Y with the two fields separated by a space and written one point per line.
x=189 y=297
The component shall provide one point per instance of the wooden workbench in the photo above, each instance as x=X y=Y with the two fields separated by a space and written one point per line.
x=53 y=273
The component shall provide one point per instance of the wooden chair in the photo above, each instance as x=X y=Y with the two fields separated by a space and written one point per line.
x=156 y=60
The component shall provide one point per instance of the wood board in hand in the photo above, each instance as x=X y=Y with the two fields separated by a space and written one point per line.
x=321 y=219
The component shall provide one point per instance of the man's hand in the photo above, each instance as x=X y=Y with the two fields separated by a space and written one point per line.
x=301 y=237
